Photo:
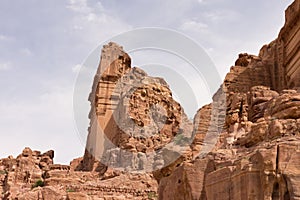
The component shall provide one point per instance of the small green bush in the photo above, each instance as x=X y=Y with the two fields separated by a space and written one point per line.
x=71 y=190
x=38 y=183
x=152 y=195
x=2 y=172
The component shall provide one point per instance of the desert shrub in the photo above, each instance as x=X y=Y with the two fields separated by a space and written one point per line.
x=152 y=195
x=38 y=183
x=71 y=190
x=2 y=172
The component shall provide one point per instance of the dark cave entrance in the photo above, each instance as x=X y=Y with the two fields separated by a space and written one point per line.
x=276 y=193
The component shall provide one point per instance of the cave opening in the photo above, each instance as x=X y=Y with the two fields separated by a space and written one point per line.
x=286 y=196
x=276 y=194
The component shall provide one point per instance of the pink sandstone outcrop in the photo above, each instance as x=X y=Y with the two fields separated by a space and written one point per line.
x=136 y=127
x=133 y=117
x=33 y=175
x=258 y=149
x=246 y=143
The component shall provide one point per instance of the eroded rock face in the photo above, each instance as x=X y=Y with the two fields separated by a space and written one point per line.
x=136 y=125
x=133 y=118
x=19 y=174
x=25 y=178
x=246 y=143
x=257 y=153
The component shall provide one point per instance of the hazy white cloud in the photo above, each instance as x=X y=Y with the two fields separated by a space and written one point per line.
x=76 y=27
x=46 y=122
x=90 y=21
x=6 y=38
x=218 y=16
x=5 y=66
x=192 y=25
x=79 y=6
x=203 y=2
x=26 y=52
x=76 y=68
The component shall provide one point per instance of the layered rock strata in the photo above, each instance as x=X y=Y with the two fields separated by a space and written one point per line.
x=32 y=175
x=257 y=153
x=134 y=119
x=246 y=143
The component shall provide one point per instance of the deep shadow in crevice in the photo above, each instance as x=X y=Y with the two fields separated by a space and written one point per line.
x=276 y=193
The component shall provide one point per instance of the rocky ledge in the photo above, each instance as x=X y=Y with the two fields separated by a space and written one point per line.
x=32 y=175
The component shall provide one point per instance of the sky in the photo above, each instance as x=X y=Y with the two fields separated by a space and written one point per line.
x=44 y=43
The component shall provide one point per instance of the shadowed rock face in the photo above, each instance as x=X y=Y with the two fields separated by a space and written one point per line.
x=257 y=153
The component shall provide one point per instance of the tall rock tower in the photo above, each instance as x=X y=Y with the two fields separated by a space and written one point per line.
x=133 y=118
x=114 y=62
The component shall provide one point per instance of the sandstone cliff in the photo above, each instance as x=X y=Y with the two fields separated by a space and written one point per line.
x=246 y=143
x=258 y=149
x=135 y=122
